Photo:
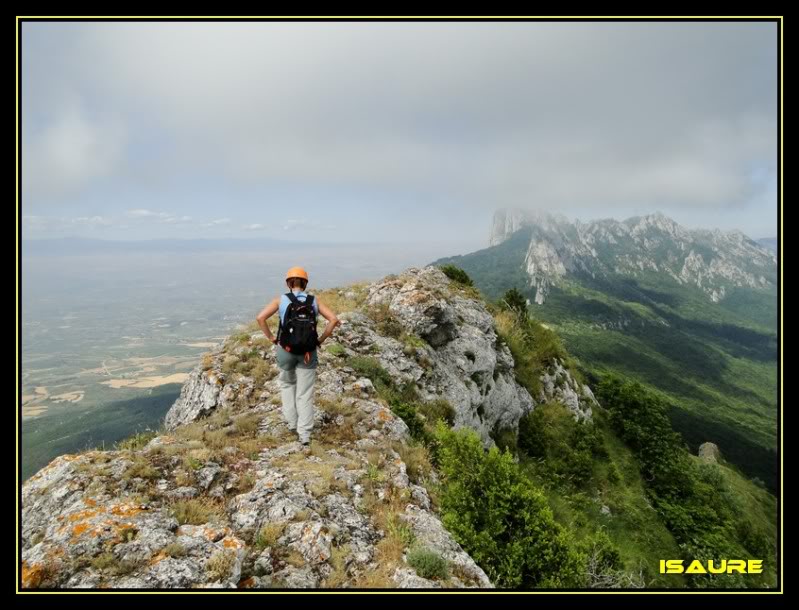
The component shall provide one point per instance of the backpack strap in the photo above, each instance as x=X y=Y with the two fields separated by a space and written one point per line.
x=308 y=300
x=280 y=320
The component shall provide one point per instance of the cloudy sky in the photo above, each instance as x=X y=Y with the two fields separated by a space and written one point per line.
x=406 y=132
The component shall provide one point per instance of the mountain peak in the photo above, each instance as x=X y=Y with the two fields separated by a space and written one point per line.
x=712 y=261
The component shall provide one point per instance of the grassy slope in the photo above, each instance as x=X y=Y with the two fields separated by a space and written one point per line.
x=716 y=364
x=633 y=525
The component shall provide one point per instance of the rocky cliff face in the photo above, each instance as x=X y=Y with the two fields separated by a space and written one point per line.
x=713 y=261
x=224 y=496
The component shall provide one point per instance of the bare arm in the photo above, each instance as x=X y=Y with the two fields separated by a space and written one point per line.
x=265 y=314
x=332 y=321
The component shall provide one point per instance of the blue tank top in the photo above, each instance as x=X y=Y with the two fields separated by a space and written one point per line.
x=284 y=303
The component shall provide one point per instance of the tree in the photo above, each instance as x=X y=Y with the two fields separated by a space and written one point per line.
x=515 y=301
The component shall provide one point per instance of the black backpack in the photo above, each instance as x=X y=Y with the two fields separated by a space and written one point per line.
x=297 y=332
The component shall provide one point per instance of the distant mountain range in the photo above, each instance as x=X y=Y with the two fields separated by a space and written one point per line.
x=690 y=313
x=713 y=261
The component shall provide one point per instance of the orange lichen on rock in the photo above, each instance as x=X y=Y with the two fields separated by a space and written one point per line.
x=32 y=575
x=232 y=543
x=159 y=557
x=125 y=510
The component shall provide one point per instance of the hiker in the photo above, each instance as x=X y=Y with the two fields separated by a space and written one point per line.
x=296 y=344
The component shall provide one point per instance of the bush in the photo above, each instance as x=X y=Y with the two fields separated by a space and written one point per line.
x=505 y=438
x=534 y=347
x=499 y=517
x=137 y=441
x=550 y=433
x=515 y=301
x=438 y=409
x=370 y=367
x=457 y=274
x=336 y=349
x=428 y=564
x=532 y=435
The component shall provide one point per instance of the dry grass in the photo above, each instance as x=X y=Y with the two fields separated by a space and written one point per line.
x=417 y=461
x=319 y=476
x=141 y=468
x=388 y=556
x=338 y=434
x=386 y=322
x=247 y=425
x=335 y=298
x=175 y=549
x=196 y=511
x=338 y=561
x=220 y=565
x=292 y=557
x=268 y=535
x=245 y=482
x=229 y=364
x=184 y=478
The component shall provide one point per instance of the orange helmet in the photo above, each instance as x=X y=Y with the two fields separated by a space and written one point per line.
x=297 y=272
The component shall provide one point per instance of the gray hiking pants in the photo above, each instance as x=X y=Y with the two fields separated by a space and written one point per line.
x=296 y=390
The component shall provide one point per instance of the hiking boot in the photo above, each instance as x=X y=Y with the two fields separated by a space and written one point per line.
x=306 y=447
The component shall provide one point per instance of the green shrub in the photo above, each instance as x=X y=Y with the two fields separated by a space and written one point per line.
x=438 y=408
x=535 y=348
x=137 y=441
x=404 y=399
x=500 y=518
x=370 y=367
x=505 y=438
x=336 y=349
x=532 y=434
x=428 y=564
x=567 y=447
x=515 y=301
x=457 y=274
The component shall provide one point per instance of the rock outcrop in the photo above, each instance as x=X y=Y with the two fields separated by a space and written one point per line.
x=709 y=452
x=225 y=497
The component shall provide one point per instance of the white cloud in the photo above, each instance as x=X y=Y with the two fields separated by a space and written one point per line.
x=164 y=217
x=142 y=213
x=217 y=222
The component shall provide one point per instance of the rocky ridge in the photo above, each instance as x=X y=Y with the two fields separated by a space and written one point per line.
x=224 y=497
